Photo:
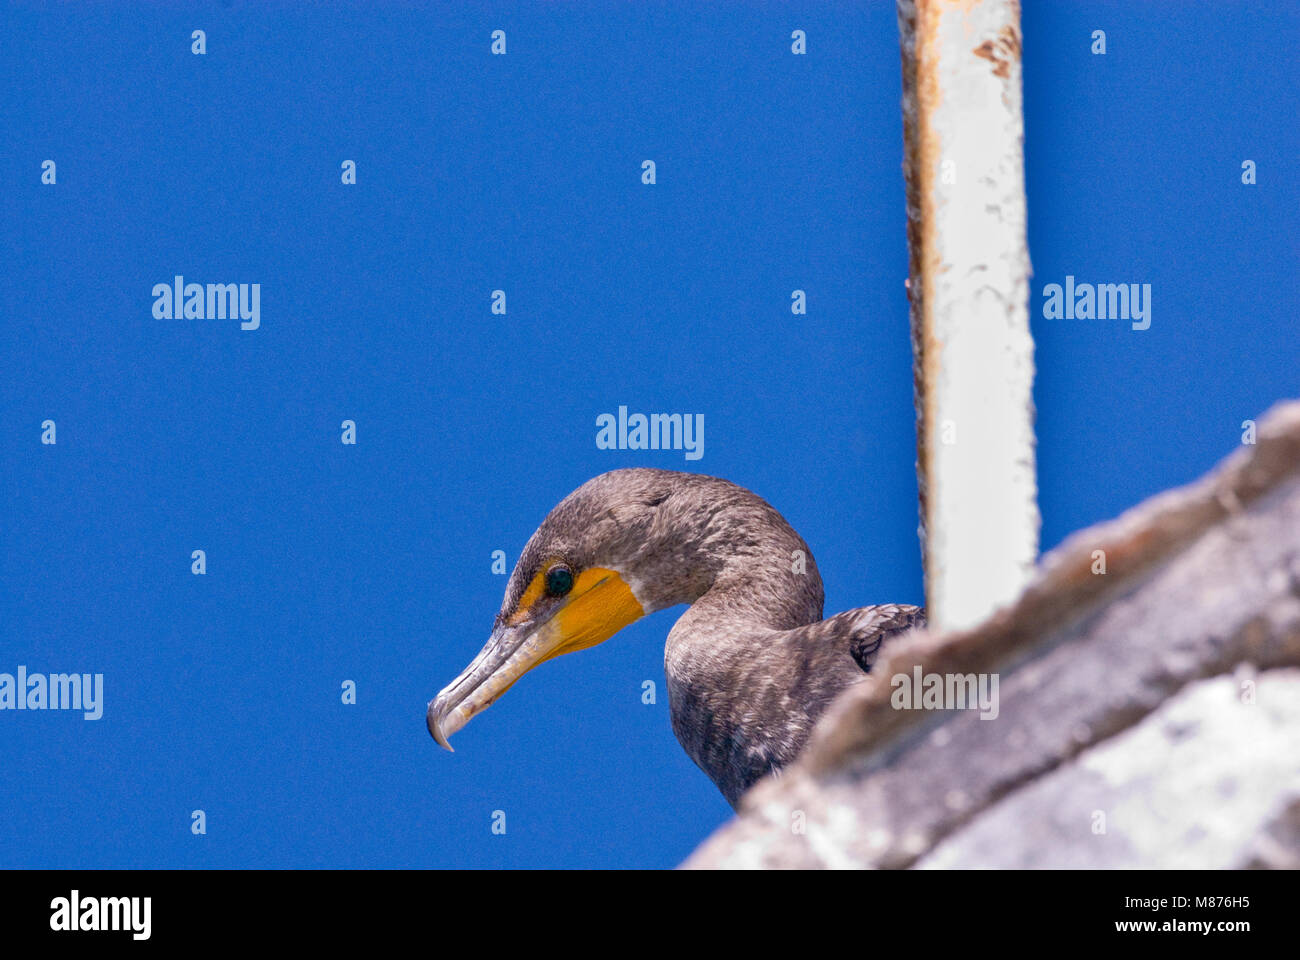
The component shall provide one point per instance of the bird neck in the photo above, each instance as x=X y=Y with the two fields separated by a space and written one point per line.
x=747 y=676
x=749 y=566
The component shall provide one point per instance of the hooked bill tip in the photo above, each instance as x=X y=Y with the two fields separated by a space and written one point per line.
x=434 y=723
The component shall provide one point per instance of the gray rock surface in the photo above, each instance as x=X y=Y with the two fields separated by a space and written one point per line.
x=1115 y=695
x=1200 y=782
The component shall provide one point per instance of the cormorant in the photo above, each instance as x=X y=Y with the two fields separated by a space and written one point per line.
x=750 y=666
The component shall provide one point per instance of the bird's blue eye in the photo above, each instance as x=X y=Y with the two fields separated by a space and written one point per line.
x=559 y=580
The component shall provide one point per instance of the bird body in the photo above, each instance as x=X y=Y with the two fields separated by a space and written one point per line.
x=751 y=665
x=744 y=698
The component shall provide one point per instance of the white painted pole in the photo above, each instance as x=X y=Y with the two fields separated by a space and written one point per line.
x=969 y=289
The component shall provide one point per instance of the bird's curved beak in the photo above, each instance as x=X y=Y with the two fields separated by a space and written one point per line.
x=599 y=605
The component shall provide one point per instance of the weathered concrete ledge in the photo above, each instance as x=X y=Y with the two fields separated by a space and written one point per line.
x=1200 y=582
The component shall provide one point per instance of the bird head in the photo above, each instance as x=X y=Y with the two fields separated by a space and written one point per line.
x=602 y=559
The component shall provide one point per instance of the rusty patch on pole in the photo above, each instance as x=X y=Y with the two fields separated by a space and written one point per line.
x=1002 y=52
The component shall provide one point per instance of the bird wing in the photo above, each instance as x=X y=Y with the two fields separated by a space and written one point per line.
x=868 y=627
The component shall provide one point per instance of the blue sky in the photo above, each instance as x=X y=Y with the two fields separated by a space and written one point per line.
x=372 y=562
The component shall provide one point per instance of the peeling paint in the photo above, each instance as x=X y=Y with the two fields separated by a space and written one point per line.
x=968 y=292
